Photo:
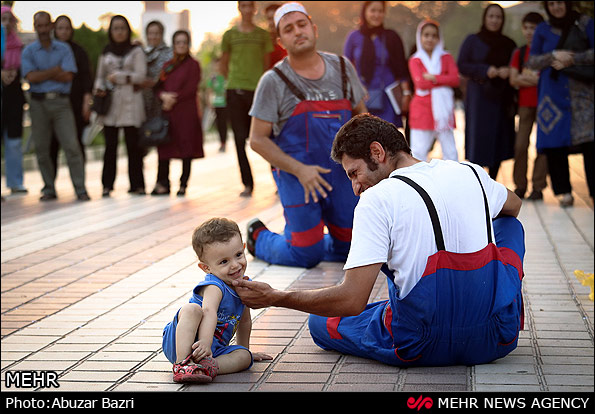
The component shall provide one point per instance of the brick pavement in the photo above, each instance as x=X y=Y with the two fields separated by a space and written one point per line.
x=88 y=287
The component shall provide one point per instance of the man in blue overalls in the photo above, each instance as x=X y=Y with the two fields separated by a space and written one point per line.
x=301 y=103
x=446 y=236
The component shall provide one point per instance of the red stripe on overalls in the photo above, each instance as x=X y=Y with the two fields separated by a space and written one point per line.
x=388 y=317
x=473 y=261
x=332 y=326
x=340 y=233
x=309 y=237
x=321 y=106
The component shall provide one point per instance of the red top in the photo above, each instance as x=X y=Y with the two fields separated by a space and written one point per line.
x=527 y=95
x=185 y=128
x=276 y=55
x=420 y=109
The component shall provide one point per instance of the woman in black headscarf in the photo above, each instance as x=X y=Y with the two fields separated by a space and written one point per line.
x=489 y=102
x=122 y=69
x=378 y=55
x=82 y=84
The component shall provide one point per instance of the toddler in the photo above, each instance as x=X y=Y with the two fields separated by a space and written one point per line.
x=197 y=340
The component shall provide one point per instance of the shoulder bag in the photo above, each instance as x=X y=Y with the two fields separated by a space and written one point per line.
x=154 y=132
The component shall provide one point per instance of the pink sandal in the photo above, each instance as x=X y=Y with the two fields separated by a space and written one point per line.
x=203 y=372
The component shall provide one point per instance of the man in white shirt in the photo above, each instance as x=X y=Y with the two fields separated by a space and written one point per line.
x=455 y=297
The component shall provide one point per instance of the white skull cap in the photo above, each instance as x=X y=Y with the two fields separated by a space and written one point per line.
x=288 y=8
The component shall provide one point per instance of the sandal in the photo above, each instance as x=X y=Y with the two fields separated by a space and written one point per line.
x=210 y=366
x=201 y=373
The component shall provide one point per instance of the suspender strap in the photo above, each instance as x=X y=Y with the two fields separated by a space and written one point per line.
x=343 y=77
x=431 y=209
x=290 y=84
x=294 y=89
x=485 y=204
x=434 y=214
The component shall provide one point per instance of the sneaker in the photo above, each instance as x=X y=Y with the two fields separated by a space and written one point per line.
x=536 y=195
x=255 y=226
x=202 y=372
x=520 y=193
x=566 y=200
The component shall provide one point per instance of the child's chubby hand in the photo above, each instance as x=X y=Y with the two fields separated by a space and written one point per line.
x=259 y=356
x=200 y=350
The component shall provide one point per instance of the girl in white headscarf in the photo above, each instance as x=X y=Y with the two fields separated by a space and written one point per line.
x=431 y=113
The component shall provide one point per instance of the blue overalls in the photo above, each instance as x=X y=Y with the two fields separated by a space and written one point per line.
x=308 y=137
x=466 y=309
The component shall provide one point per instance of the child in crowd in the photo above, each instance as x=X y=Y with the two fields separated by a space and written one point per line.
x=431 y=113
x=525 y=80
x=197 y=340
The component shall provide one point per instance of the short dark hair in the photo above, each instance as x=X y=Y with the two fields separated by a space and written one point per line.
x=532 y=17
x=272 y=7
x=354 y=139
x=41 y=13
x=215 y=230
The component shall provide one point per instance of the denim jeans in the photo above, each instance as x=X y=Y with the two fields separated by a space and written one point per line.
x=13 y=157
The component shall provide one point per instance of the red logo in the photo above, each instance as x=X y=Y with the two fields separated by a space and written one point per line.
x=420 y=403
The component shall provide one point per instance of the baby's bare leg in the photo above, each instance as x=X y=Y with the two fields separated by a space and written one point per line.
x=189 y=319
x=235 y=361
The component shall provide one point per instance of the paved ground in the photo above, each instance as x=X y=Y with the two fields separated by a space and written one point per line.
x=88 y=287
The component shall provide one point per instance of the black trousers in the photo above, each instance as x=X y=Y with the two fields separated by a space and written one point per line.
x=163 y=172
x=221 y=122
x=110 y=158
x=239 y=102
x=557 y=163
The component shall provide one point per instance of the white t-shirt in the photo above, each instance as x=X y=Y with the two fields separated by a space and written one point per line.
x=392 y=225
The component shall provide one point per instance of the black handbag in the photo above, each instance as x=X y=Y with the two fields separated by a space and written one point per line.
x=154 y=132
x=101 y=104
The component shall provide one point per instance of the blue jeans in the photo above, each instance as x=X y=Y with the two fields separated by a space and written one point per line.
x=13 y=156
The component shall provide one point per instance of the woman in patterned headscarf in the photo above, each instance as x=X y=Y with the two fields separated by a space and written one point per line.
x=177 y=89
x=560 y=48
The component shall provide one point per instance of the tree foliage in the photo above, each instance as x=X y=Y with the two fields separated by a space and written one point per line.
x=93 y=41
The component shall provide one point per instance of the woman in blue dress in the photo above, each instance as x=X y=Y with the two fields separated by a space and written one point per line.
x=489 y=101
x=565 y=100
x=379 y=58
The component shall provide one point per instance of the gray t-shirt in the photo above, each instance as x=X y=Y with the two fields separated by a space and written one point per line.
x=274 y=102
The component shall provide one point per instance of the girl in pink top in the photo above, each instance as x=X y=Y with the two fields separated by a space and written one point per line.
x=431 y=113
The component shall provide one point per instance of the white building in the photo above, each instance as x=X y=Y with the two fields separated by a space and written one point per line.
x=172 y=21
